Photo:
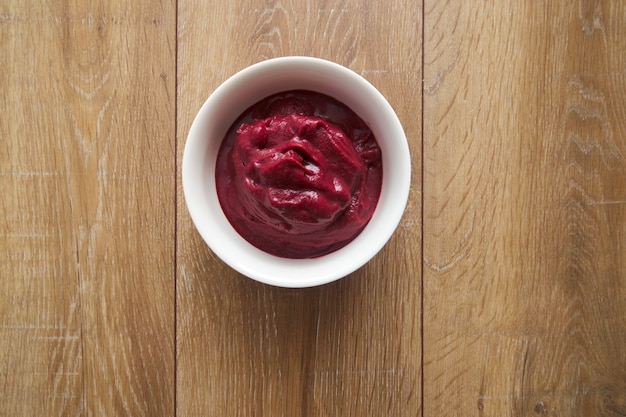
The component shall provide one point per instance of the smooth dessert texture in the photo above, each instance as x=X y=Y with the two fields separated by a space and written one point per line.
x=299 y=175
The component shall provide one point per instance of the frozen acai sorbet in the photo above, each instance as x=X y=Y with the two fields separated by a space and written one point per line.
x=299 y=174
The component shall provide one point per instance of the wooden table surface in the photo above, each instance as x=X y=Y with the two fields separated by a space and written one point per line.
x=502 y=293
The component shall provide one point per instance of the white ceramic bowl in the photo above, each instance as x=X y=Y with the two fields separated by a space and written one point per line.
x=218 y=113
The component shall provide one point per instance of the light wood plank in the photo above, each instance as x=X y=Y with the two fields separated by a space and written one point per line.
x=351 y=348
x=87 y=209
x=525 y=208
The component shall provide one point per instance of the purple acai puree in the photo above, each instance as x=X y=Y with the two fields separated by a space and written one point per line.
x=299 y=174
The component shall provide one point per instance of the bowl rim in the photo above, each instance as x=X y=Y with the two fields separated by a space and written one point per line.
x=285 y=272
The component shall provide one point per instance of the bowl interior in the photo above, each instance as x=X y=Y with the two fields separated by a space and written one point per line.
x=233 y=97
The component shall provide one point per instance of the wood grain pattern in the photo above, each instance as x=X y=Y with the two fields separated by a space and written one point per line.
x=111 y=304
x=351 y=348
x=87 y=230
x=524 y=208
